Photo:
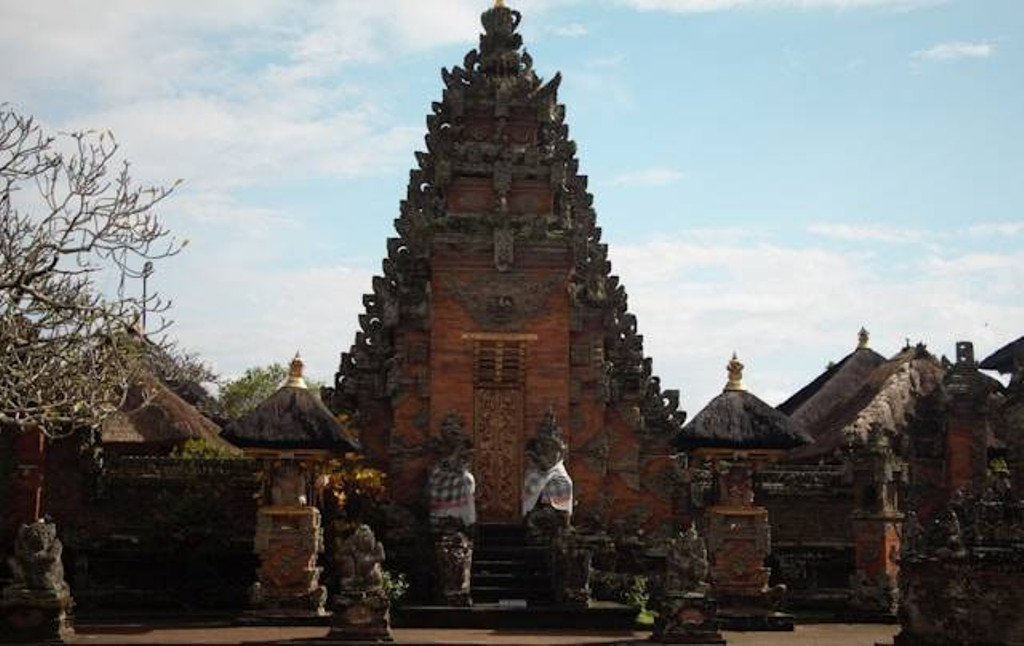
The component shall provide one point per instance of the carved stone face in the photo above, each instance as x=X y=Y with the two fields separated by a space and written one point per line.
x=546 y=452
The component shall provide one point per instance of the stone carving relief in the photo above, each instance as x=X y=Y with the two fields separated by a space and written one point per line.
x=504 y=301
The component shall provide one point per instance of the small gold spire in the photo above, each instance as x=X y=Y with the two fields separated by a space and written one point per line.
x=499 y=4
x=735 y=369
x=862 y=339
x=295 y=379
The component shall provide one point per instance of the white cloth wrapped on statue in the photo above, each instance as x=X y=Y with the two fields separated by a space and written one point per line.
x=452 y=493
x=552 y=487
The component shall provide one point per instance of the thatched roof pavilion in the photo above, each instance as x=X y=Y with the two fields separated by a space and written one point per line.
x=885 y=401
x=739 y=420
x=155 y=420
x=292 y=418
x=814 y=405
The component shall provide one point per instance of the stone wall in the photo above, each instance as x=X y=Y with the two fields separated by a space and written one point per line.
x=960 y=575
x=155 y=532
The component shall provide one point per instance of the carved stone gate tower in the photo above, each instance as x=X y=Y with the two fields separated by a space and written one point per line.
x=497 y=303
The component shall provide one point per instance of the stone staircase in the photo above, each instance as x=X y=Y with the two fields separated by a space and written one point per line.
x=507 y=571
x=512 y=589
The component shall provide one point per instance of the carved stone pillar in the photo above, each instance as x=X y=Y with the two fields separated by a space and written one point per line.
x=877 y=474
x=288 y=541
x=739 y=537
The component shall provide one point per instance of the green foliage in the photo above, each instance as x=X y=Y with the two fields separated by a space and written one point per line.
x=638 y=595
x=395 y=586
x=239 y=396
x=202 y=449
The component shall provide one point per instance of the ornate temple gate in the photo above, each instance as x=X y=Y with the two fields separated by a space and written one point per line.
x=498 y=370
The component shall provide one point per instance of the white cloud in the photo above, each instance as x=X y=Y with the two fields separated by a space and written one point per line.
x=647 y=178
x=860 y=233
x=954 y=51
x=571 y=30
x=705 y=6
x=788 y=310
x=1007 y=229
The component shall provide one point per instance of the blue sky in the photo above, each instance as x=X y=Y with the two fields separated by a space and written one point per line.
x=770 y=174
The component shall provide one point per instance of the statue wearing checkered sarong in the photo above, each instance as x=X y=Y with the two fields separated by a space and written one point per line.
x=451 y=487
x=546 y=481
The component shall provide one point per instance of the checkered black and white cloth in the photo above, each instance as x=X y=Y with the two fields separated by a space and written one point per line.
x=552 y=487
x=452 y=494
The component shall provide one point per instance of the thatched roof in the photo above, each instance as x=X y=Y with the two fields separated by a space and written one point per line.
x=885 y=401
x=737 y=419
x=1005 y=359
x=156 y=419
x=832 y=389
x=291 y=418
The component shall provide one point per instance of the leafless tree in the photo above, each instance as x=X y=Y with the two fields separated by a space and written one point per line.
x=74 y=230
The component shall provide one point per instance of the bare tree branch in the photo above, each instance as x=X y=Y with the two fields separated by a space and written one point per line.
x=69 y=216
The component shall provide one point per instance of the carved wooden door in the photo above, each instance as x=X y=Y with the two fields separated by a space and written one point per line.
x=498 y=430
x=499 y=422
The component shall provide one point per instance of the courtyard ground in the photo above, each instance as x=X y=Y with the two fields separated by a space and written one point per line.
x=147 y=633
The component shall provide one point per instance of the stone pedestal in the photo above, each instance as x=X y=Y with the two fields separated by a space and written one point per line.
x=739 y=540
x=361 y=617
x=573 y=558
x=36 y=607
x=35 y=616
x=288 y=541
x=454 y=553
x=687 y=618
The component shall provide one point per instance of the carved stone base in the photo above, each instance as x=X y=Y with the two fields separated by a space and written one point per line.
x=361 y=617
x=34 y=617
x=573 y=558
x=454 y=553
x=284 y=602
x=687 y=618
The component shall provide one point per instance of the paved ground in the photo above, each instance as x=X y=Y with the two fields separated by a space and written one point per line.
x=127 y=633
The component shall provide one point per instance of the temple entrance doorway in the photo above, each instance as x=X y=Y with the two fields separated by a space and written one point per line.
x=499 y=366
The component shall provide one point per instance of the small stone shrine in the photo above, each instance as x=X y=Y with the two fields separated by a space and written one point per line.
x=36 y=607
x=737 y=433
x=362 y=611
x=452 y=488
x=291 y=433
x=686 y=613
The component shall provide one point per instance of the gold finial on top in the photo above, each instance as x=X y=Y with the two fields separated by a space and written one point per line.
x=735 y=369
x=295 y=379
x=499 y=4
x=862 y=339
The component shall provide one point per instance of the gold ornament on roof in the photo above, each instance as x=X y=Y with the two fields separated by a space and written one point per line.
x=499 y=4
x=295 y=379
x=735 y=369
x=862 y=339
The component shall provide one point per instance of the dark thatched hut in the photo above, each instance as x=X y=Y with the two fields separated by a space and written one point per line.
x=740 y=420
x=292 y=418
